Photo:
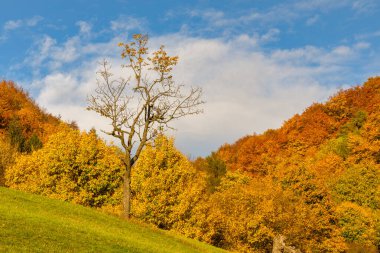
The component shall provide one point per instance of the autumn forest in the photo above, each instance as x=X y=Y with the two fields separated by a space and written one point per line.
x=314 y=181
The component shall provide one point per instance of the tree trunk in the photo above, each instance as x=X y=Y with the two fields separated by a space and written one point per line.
x=127 y=193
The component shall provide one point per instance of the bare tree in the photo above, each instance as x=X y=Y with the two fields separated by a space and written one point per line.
x=142 y=105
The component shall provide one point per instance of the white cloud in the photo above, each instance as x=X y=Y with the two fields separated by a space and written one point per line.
x=12 y=24
x=323 y=5
x=327 y=60
x=312 y=20
x=15 y=24
x=67 y=53
x=38 y=55
x=359 y=6
x=84 y=27
x=270 y=35
x=373 y=34
x=48 y=53
x=217 y=19
x=362 y=45
x=342 y=51
x=285 y=12
x=246 y=92
x=365 y=5
x=126 y=24
x=65 y=93
x=246 y=89
x=60 y=89
x=33 y=21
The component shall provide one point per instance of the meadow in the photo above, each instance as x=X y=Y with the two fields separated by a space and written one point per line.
x=30 y=223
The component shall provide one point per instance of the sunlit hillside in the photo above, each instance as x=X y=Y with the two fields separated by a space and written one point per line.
x=32 y=223
x=315 y=182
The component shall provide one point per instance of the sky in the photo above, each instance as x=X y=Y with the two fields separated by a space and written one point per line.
x=258 y=61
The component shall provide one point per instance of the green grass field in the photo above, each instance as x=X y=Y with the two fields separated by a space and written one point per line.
x=30 y=223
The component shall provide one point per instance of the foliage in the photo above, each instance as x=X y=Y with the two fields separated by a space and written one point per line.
x=72 y=166
x=7 y=155
x=34 y=143
x=215 y=169
x=358 y=224
x=327 y=162
x=23 y=125
x=314 y=181
x=15 y=135
x=308 y=199
x=208 y=221
x=165 y=185
x=21 y=118
x=359 y=184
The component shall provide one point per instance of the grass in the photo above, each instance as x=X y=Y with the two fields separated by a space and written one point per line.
x=30 y=223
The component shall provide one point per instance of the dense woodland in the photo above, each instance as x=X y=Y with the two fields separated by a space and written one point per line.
x=314 y=181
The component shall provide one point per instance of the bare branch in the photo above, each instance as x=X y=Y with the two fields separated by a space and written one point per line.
x=145 y=104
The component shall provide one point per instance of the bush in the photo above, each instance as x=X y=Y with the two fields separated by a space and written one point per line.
x=73 y=166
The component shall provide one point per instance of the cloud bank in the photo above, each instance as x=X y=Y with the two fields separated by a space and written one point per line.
x=246 y=89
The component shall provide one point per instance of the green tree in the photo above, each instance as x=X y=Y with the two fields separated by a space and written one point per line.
x=358 y=224
x=7 y=156
x=216 y=169
x=359 y=184
x=33 y=144
x=16 y=136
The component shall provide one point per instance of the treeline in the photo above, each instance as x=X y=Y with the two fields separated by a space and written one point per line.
x=315 y=181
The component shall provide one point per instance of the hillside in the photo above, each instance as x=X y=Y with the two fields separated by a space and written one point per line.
x=321 y=168
x=315 y=181
x=302 y=136
x=30 y=223
x=24 y=126
x=18 y=112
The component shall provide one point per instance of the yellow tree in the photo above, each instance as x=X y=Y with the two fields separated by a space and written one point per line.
x=143 y=104
x=165 y=185
x=72 y=166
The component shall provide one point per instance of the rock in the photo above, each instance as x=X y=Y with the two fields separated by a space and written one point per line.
x=279 y=246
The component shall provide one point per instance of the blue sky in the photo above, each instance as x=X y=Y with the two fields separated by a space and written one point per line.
x=258 y=61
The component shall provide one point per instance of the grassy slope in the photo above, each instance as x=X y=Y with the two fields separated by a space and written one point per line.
x=30 y=223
